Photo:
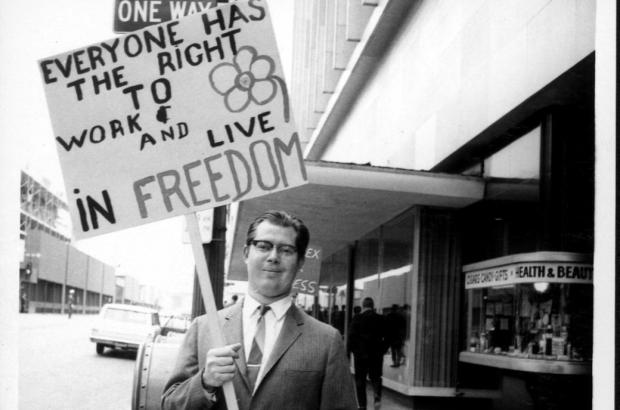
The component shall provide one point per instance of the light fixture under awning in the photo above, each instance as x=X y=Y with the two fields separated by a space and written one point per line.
x=342 y=202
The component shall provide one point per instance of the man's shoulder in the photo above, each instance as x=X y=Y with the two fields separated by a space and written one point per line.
x=222 y=314
x=228 y=310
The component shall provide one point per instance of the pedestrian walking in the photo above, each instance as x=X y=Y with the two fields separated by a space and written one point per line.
x=368 y=343
x=70 y=301
x=396 y=331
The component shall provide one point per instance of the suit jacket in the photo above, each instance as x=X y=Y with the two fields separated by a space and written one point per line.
x=307 y=369
x=368 y=335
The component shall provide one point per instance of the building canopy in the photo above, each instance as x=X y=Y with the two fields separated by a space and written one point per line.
x=342 y=202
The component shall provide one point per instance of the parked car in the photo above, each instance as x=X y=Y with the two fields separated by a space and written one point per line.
x=124 y=327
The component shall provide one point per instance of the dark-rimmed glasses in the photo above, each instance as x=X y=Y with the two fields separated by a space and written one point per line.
x=266 y=247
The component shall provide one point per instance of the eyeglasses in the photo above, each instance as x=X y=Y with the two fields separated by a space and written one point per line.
x=266 y=246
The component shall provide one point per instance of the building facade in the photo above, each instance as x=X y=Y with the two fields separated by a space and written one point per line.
x=449 y=147
x=52 y=270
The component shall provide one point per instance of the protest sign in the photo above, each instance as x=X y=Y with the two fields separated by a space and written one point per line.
x=172 y=119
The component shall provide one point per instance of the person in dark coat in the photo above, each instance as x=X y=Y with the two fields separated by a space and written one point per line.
x=397 y=329
x=368 y=343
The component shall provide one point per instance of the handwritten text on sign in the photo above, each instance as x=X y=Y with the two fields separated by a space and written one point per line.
x=172 y=119
x=530 y=273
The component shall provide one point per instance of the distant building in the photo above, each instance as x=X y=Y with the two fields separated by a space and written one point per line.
x=127 y=290
x=51 y=267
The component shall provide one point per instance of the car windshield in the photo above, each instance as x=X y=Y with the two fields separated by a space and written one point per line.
x=122 y=315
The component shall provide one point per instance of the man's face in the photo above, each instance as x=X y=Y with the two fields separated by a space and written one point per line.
x=271 y=273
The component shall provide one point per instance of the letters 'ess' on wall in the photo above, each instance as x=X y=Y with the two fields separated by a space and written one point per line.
x=175 y=118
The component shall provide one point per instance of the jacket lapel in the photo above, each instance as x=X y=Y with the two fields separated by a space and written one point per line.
x=291 y=330
x=233 y=333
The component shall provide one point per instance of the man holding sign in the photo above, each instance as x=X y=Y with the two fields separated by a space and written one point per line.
x=181 y=117
x=276 y=356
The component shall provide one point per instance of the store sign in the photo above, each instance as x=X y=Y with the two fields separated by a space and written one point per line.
x=172 y=119
x=132 y=15
x=520 y=273
x=307 y=280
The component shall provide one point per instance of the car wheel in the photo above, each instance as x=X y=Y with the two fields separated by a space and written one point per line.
x=100 y=348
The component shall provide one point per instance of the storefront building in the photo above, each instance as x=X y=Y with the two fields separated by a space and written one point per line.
x=450 y=156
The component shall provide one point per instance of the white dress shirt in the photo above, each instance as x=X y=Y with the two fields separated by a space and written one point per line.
x=274 y=319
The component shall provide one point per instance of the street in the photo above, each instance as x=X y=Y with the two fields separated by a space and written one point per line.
x=59 y=368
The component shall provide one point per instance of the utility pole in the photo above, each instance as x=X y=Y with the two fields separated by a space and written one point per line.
x=85 y=292
x=63 y=297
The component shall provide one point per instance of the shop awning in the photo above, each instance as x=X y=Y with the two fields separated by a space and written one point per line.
x=342 y=202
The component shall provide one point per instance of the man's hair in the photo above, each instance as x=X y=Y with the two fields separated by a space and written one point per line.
x=284 y=219
x=368 y=303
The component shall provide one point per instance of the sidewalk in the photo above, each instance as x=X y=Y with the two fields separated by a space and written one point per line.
x=390 y=400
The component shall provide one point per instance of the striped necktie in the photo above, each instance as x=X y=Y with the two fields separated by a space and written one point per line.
x=256 y=353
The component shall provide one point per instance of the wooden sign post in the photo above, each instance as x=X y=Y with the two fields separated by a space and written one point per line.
x=209 y=301
x=172 y=119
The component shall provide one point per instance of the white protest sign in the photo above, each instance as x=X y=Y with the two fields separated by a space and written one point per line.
x=172 y=119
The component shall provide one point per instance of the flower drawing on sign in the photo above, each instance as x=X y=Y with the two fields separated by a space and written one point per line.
x=250 y=78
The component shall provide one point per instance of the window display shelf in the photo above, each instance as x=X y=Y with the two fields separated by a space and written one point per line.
x=527 y=363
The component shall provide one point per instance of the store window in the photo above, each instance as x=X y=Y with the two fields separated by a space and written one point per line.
x=78 y=295
x=92 y=298
x=539 y=320
x=395 y=301
x=334 y=289
x=366 y=277
x=538 y=306
x=48 y=292
x=383 y=263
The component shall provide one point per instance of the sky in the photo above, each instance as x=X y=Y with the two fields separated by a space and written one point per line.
x=30 y=31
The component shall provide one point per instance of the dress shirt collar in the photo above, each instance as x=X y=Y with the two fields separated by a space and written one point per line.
x=279 y=307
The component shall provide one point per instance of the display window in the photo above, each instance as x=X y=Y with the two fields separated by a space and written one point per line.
x=328 y=303
x=530 y=306
x=381 y=270
x=539 y=320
